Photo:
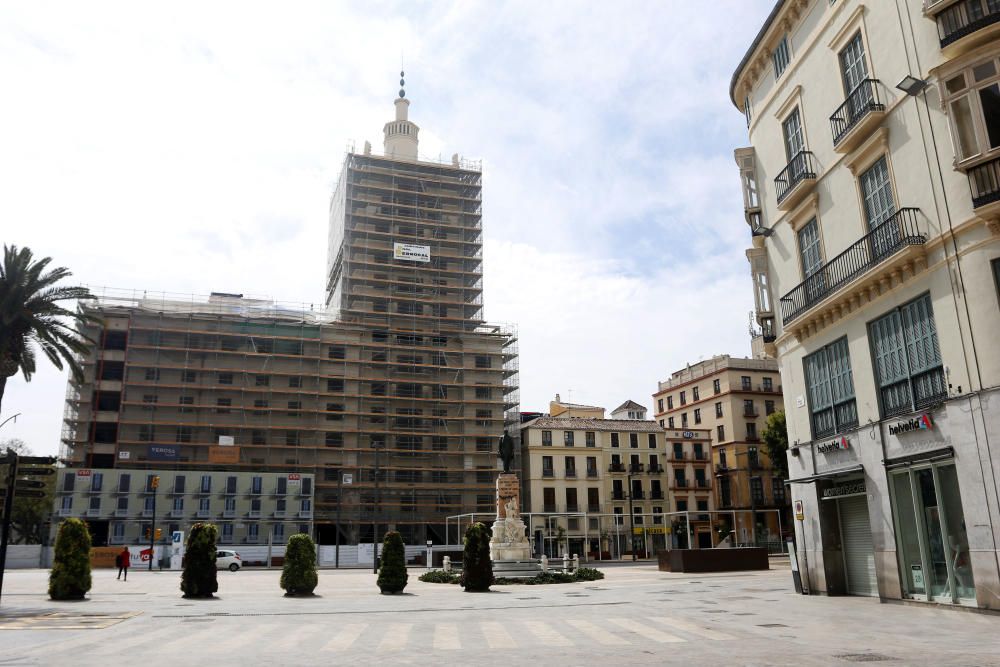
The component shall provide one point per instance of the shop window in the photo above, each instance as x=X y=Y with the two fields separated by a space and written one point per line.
x=830 y=389
x=907 y=358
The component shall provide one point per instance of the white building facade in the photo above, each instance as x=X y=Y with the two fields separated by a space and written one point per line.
x=872 y=189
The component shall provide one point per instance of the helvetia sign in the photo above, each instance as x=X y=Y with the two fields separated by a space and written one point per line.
x=923 y=422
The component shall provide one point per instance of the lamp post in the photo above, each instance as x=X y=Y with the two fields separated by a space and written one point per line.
x=155 y=484
x=631 y=515
x=375 y=517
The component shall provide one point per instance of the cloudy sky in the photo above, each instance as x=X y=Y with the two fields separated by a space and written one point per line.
x=193 y=147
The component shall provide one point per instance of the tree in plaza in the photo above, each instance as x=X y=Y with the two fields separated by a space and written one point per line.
x=392 y=573
x=775 y=435
x=70 y=576
x=477 y=568
x=298 y=576
x=29 y=516
x=31 y=315
x=199 y=579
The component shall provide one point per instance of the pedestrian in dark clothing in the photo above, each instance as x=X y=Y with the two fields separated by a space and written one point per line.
x=122 y=561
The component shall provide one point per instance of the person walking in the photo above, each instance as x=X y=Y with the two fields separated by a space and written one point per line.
x=122 y=561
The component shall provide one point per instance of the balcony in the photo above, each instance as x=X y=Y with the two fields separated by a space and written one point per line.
x=679 y=484
x=592 y=473
x=570 y=507
x=854 y=120
x=121 y=513
x=549 y=508
x=795 y=181
x=253 y=514
x=616 y=467
x=721 y=469
x=92 y=512
x=548 y=473
x=203 y=514
x=874 y=248
x=752 y=437
x=701 y=456
x=570 y=474
x=751 y=413
x=638 y=495
x=228 y=514
x=656 y=495
x=305 y=514
x=654 y=469
x=635 y=467
x=278 y=514
x=703 y=483
x=617 y=495
x=964 y=25
x=176 y=514
x=678 y=456
x=593 y=508
x=984 y=181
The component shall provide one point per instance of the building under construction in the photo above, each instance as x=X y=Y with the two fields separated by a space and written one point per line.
x=393 y=396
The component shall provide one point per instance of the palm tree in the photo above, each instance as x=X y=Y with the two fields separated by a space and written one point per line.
x=30 y=315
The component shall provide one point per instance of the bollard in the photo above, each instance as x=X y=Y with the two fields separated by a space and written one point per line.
x=545 y=563
x=446 y=563
x=576 y=563
x=565 y=563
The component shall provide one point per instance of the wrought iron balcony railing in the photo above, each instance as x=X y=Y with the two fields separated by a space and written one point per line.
x=964 y=18
x=863 y=100
x=984 y=180
x=888 y=238
x=799 y=168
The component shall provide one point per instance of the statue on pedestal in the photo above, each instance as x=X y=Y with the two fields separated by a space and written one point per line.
x=506 y=451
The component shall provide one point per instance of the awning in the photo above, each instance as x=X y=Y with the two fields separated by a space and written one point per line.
x=843 y=472
x=920 y=457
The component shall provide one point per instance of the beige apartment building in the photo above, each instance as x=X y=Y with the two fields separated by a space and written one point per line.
x=393 y=397
x=872 y=191
x=732 y=398
x=588 y=483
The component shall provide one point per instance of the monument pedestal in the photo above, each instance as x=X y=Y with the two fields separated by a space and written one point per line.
x=510 y=550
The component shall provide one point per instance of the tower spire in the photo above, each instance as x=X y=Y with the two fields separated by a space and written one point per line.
x=401 y=134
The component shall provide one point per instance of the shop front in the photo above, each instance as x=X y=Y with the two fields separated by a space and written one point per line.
x=933 y=549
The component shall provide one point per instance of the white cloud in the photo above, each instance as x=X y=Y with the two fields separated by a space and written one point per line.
x=193 y=147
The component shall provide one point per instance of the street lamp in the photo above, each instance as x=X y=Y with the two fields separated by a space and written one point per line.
x=631 y=515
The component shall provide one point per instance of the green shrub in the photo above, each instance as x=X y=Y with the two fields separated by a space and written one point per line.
x=477 y=568
x=588 y=574
x=392 y=573
x=439 y=577
x=199 y=577
x=298 y=576
x=70 y=576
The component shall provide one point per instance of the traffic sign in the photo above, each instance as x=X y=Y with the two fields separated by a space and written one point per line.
x=29 y=494
x=37 y=460
x=28 y=484
x=36 y=472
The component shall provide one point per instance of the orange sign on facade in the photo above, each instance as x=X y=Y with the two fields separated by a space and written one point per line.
x=223 y=454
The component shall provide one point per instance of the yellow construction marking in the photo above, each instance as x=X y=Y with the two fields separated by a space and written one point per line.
x=687 y=626
x=345 y=638
x=645 y=631
x=598 y=634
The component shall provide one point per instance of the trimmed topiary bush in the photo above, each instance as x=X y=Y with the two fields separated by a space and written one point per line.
x=439 y=577
x=588 y=574
x=298 y=577
x=477 y=568
x=70 y=576
x=392 y=573
x=199 y=578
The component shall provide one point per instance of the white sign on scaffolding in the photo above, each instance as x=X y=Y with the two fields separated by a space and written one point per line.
x=411 y=253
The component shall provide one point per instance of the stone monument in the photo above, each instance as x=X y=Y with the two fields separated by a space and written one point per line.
x=509 y=541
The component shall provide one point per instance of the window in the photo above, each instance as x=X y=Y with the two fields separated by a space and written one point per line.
x=697 y=415
x=483 y=361
x=633 y=440
x=907 y=358
x=292 y=438
x=591 y=466
x=185 y=401
x=295 y=382
x=659 y=405
x=717 y=386
x=260 y=403
x=718 y=409
x=223 y=405
x=337 y=352
x=973 y=102
x=256 y=485
x=257 y=437
x=876 y=190
x=768 y=384
x=148 y=401
x=670 y=402
x=670 y=422
x=294 y=408
x=334 y=439
x=854 y=71
x=780 y=57
x=748 y=408
x=183 y=434
x=721 y=432
x=147 y=432
x=189 y=376
x=152 y=374
x=683 y=398
x=333 y=411
x=778 y=490
x=678 y=453
x=335 y=384
x=830 y=389
x=591 y=438
x=225 y=378
x=568 y=438
x=593 y=500
x=756 y=491
x=546 y=438
x=569 y=464
x=651 y=439
x=96 y=481
x=694 y=394
x=791 y=129
x=547 y=466
x=483 y=418
x=482 y=393
x=206 y=484
x=747 y=110
x=745 y=383
x=549 y=499
x=811 y=257
x=124 y=482
x=684 y=420
x=614 y=439
x=768 y=407
x=262 y=381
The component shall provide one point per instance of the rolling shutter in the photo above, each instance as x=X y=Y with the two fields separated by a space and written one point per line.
x=859 y=552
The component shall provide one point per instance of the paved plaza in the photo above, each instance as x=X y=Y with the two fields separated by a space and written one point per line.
x=636 y=615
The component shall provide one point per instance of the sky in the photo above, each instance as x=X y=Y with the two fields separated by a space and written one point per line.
x=193 y=147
